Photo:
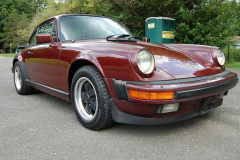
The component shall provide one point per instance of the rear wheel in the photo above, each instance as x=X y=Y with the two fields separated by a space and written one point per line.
x=90 y=97
x=21 y=86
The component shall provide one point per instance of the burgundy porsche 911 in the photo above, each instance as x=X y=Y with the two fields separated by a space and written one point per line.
x=111 y=76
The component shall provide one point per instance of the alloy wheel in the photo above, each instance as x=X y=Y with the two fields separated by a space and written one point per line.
x=86 y=99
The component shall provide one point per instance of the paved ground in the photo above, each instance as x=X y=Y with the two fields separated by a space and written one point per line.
x=40 y=126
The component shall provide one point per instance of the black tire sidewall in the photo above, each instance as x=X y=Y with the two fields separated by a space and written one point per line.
x=86 y=72
x=20 y=91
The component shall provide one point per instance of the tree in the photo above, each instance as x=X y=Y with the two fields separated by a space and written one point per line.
x=212 y=22
x=26 y=7
x=16 y=29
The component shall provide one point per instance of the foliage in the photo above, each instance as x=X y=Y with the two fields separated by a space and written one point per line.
x=209 y=22
x=234 y=54
x=16 y=29
x=8 y=7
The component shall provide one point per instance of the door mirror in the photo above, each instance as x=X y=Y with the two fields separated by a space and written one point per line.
x=44 y=38
x=145 y=39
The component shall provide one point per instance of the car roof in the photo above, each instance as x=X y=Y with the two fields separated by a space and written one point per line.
x=90 y=15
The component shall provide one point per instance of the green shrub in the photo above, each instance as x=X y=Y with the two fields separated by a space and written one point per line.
x=234 y=54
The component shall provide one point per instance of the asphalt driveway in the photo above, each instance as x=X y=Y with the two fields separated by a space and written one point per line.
x=40 y=126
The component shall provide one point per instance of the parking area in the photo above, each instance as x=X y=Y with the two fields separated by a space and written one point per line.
x=40 y=126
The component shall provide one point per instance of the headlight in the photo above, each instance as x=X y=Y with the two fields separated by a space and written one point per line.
x=145 y=61
x=221 y=57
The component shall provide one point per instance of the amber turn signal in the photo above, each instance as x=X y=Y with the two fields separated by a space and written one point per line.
x=161 y=95
x=150 y=95
x=138 y=94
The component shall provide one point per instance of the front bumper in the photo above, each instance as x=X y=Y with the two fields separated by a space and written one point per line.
x=184 y=89
x=189 y=93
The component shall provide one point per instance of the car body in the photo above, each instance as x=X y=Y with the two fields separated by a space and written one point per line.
x=111 y=76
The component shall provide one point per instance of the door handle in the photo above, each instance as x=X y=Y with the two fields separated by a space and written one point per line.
x=30 y=53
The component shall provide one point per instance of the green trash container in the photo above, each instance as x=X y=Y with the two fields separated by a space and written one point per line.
x=160 y=29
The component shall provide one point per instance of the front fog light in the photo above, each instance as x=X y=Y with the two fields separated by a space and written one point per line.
x=170 y=108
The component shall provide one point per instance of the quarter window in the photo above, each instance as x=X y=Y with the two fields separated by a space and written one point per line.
x=32 y=40
x=54 y=32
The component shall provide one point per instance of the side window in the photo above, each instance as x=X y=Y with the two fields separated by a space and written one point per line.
x=46 y=28
x=32 y=40
x=49 y=28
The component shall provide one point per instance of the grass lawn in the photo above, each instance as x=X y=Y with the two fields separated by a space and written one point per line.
x=8 y=54
x=235 y=65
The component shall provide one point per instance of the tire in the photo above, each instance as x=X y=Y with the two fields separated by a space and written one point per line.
x=19 y=81
x=90 y=98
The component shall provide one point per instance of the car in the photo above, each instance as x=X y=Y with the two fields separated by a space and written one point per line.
x=109 y=75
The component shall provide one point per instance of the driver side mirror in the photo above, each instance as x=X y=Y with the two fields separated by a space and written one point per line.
x=44 y=38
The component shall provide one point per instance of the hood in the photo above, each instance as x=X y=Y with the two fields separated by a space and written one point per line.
x=181 y=63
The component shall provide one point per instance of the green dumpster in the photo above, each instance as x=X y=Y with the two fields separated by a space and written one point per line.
x=160 y=29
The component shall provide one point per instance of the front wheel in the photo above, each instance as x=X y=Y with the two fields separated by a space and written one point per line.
x=90 y=97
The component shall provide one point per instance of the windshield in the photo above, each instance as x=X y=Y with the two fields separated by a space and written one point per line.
x=89 y=27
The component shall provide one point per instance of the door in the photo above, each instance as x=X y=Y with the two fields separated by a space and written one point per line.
x=44 y=59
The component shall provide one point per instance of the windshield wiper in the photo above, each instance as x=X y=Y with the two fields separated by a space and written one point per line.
x=122 y=37
x=118 y=36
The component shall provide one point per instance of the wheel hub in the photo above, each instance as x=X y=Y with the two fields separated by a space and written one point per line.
x=87 y=98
